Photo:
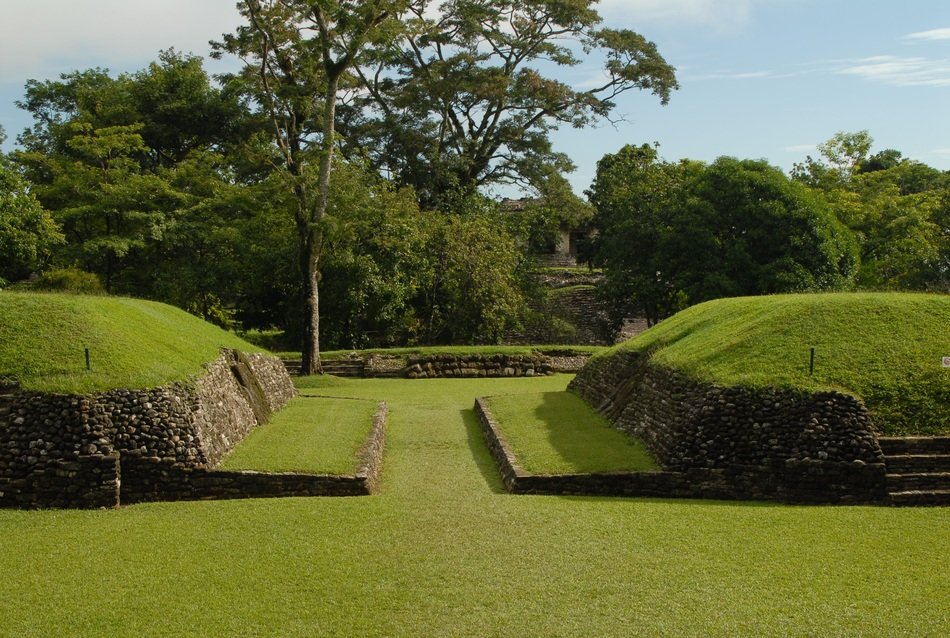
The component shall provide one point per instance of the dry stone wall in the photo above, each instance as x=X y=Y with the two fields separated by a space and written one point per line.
x=80 y=451
x=476 y=365
x=749 y=443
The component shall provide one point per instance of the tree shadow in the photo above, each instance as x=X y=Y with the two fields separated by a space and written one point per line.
x=579 y=446
x=480 y=454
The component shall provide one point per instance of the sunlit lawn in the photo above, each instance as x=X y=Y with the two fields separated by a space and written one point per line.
x=314 y=435
x=443 y=551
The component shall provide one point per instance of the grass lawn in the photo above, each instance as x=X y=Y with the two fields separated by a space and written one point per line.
x=558 y=433
x=883 y=347
x=132 y=343
x=443 y=551
x=312 y=435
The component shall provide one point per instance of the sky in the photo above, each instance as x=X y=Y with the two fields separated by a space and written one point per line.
x=760 y=79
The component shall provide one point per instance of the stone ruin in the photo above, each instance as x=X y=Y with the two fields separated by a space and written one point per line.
x=126 y=446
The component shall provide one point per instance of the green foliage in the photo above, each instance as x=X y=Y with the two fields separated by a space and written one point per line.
x=671 y=235
x=472 y=294
x=310 y=435
x=443 y=550
x=898 y=208
x=884 y=348
x=28 y=234
x=132 y=343
x=558 y=433
x=459 y=102
x=69 y=280
x=127 y=166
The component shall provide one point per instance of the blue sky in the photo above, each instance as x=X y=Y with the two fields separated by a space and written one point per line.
x=760 y=78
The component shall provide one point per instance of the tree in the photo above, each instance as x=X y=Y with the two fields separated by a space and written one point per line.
x=298 y=54
x=842 y=157
x=460 y=103
x=671 y=235
x=638 y=198
x=897 y=208
x=28 y=233
x=133 y=169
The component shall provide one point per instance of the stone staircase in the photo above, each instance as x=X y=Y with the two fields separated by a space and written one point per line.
x=918 y=469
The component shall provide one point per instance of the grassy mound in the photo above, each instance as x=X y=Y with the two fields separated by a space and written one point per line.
x=883 y=348
x=132 y=343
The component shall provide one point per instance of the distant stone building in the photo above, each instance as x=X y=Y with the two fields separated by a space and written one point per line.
x=565 y=249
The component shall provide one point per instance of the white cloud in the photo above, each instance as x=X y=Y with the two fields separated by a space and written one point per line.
x=720 y=14
x=941 y=151
x=43 y=38
x=901 y=71
x=800 y=148
x=932 y=34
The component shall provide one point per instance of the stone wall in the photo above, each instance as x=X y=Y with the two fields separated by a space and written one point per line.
x=477 y=365
x=75 y=451
x=757 y=443
x=154 y=479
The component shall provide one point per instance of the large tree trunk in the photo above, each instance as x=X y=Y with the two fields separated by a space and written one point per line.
x=312 y=243
x=310 y=356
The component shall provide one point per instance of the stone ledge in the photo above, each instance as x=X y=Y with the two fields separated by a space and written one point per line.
x=791 y=482
x=158 y=480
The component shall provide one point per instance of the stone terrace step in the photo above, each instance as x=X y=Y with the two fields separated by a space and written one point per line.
x=344 y=368
x=927 y=481
x=915 y=445
x=917 y=463
x=915 y=497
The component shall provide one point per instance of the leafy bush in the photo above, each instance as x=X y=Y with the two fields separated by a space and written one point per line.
x=69 y=280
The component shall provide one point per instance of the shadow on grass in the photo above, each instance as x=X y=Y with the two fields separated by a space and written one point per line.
x=480 y=454
x=586 y=443
x=660 y=500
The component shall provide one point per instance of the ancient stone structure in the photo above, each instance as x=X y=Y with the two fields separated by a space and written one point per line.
x=124 y=446
x=441 y=365
x=735 y=442
x=477 y=365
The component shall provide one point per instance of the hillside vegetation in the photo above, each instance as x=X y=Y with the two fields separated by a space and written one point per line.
x=132 y=342
x=885 y=348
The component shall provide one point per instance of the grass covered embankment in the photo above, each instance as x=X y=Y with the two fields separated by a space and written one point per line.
x=132 y=342
x=558 y=433
x=885 y=348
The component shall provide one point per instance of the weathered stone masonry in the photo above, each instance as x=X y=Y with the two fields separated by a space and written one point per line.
x=125 y=446
x=738 y=442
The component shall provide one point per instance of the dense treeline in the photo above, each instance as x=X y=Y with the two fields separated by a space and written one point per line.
x=241 y=198
x=670 y=235
x=164 y=198
x=351 y=155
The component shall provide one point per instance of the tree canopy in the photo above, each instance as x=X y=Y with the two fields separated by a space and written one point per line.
x=673 y=234
x=468 y=95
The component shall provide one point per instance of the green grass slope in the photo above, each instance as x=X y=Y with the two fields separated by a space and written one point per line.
x=132 y=343
x=885 y=348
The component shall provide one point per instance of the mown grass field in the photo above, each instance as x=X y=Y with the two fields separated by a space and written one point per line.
x=132 y=343
x=443 y=551
x=315 y=435
x=558 y=433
